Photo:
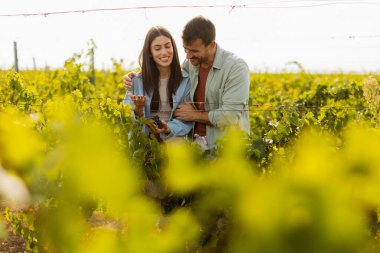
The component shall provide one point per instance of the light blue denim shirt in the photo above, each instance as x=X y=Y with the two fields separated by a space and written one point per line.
x=178 y=128
x=227 y=93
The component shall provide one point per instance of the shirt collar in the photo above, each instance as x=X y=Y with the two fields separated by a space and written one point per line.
x=218 y=58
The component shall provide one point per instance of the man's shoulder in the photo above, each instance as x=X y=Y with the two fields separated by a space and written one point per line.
x=228 y=59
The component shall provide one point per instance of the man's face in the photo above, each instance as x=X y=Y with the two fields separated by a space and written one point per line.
x=197 y=52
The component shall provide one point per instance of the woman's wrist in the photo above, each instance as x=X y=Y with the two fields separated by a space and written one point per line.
x=138 y=113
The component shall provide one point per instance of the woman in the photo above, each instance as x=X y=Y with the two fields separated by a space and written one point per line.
x=160 y=86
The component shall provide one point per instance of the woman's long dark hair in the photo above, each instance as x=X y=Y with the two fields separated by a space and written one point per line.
x=150 y=72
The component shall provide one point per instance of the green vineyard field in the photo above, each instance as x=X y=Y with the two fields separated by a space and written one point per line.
x=77 y=174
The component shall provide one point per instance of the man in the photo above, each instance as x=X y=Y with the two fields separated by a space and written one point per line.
x=219 y=80
x=219 y=84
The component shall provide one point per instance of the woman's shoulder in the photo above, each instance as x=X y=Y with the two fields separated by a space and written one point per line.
x=137 y=84
x=185 y=74
x=185 y=83
x=185 y=78
x=138 y=76
x=137 y=79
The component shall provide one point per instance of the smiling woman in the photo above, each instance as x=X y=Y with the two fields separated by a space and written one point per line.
x=160 y=86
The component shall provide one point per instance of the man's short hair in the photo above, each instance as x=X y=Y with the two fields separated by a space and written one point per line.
x=199 y=28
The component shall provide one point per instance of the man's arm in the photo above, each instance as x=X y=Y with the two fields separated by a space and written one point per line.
x=234 y=98
x=187 y=112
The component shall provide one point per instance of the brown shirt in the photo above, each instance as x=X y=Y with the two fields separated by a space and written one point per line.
x=199 y=99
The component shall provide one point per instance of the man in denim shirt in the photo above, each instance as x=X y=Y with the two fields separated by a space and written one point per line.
x=219 y=85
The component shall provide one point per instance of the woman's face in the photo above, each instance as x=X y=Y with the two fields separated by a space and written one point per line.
x=162 y=51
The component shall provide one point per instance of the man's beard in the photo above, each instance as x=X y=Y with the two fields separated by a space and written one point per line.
x=199 y=61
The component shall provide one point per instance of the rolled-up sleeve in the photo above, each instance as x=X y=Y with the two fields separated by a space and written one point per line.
x=178 y=128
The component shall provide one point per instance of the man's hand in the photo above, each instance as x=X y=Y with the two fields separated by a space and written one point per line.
x=127 y=80
x=185 y=111
x=139 y=101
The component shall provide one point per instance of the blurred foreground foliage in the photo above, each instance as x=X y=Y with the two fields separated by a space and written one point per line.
x=78 y=175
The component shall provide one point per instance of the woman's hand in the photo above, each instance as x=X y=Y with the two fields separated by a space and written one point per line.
x=153 y=129
x=139 y=101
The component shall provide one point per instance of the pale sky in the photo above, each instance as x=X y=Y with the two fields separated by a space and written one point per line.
x=331 y=35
